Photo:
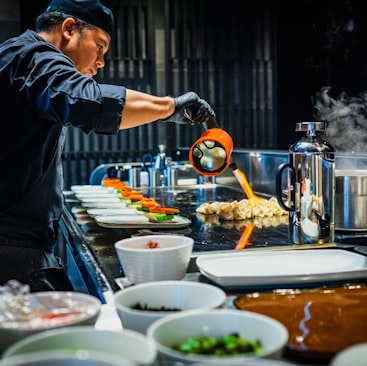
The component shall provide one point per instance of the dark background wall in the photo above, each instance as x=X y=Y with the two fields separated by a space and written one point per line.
x=261 y=64
x=319 y=44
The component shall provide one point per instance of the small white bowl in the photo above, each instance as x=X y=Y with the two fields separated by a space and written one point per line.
x=181 y=295
x=66 y=357
x=177 y=329
x=126 y=344
x=167 y=262
x=75 y=309
x=355 y=355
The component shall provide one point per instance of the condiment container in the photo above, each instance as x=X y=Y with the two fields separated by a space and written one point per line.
x=310 y=188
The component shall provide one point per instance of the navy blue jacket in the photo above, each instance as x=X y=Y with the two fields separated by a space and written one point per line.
x=41 y=93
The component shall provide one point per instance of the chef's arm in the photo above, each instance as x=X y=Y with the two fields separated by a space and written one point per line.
x=141 y=108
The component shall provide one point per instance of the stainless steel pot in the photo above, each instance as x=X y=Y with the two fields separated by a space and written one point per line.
x=351 y=200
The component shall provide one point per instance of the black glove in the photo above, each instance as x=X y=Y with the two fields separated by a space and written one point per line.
x=189 y=108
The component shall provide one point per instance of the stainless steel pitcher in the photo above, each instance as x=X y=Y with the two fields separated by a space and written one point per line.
x=310 y=186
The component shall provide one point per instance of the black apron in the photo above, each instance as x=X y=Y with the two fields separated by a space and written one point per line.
x=28 y=232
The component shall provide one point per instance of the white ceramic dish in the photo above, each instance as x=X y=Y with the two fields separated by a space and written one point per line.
x=66 y=358
x=282 y=267
x=111 y=211
x=103 y=199
x=180 y=295
x=177 y=329
x=126 y=344
x=103 y=204
x=99 y=195
x=86 y=188
x=354 y=356
x=139 y=221
x=122 y=219
x=49 y=310
x=169 y=261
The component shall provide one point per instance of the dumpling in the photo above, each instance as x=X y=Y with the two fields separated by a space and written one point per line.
x=242 y=210
x=206 y=209
x=225 y=211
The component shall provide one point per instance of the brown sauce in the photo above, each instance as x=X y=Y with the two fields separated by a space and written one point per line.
x=321 y=320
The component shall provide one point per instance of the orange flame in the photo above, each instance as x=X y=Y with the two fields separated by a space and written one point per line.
x=242 y=179
x=244 y=239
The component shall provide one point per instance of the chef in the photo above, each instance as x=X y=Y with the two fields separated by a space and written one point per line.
x=47 y=84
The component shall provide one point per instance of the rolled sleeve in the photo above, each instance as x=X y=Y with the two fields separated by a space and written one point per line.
x=113 y=103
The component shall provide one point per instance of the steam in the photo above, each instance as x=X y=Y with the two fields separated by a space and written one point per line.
x=347 y=120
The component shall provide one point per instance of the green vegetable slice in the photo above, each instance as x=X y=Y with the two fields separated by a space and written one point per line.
x=231 y=344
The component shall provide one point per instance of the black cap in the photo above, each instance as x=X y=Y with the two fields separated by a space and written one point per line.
x=91 y=11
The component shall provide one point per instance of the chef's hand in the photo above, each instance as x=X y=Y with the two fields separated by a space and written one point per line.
x=190 y=109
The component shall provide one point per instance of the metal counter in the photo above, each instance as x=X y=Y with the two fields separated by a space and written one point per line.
x=92 y=263
x=91 y=246
x=89 y=251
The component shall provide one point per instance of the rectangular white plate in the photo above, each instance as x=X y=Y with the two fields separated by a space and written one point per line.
x=140 y=222
x=102 y=199
x=286 y=267
x=111 y=211
x=87 y=196
x=103 y=204
x=90 y=188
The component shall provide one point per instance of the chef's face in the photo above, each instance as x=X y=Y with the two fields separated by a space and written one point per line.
x=87 y=48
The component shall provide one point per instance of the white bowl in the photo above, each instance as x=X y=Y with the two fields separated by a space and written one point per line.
x=66 y=358
x=355 y=355
x=168 y=262
x=181 y=295
x=47 y=310
x=177 y=329
x=126 y=344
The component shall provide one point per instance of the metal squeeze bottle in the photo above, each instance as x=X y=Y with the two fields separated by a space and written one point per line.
x=310 y=188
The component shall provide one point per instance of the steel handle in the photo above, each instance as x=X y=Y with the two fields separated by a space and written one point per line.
x=291 y=187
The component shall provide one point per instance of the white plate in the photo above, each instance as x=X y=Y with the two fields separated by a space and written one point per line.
x=140 y=222
x=282 y=267
x=354 y=356
x=103 y=204
x=111 y=211
x=100 y=194
x=90 y=188
x=104 y=199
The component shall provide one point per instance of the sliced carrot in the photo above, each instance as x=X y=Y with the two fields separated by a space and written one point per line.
x=124 y=189
x=124 y=193
x=110 y=182
x=121 y=185
x=164 y=210
x=150 y=199
x=149 y=203
x=136 y=197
